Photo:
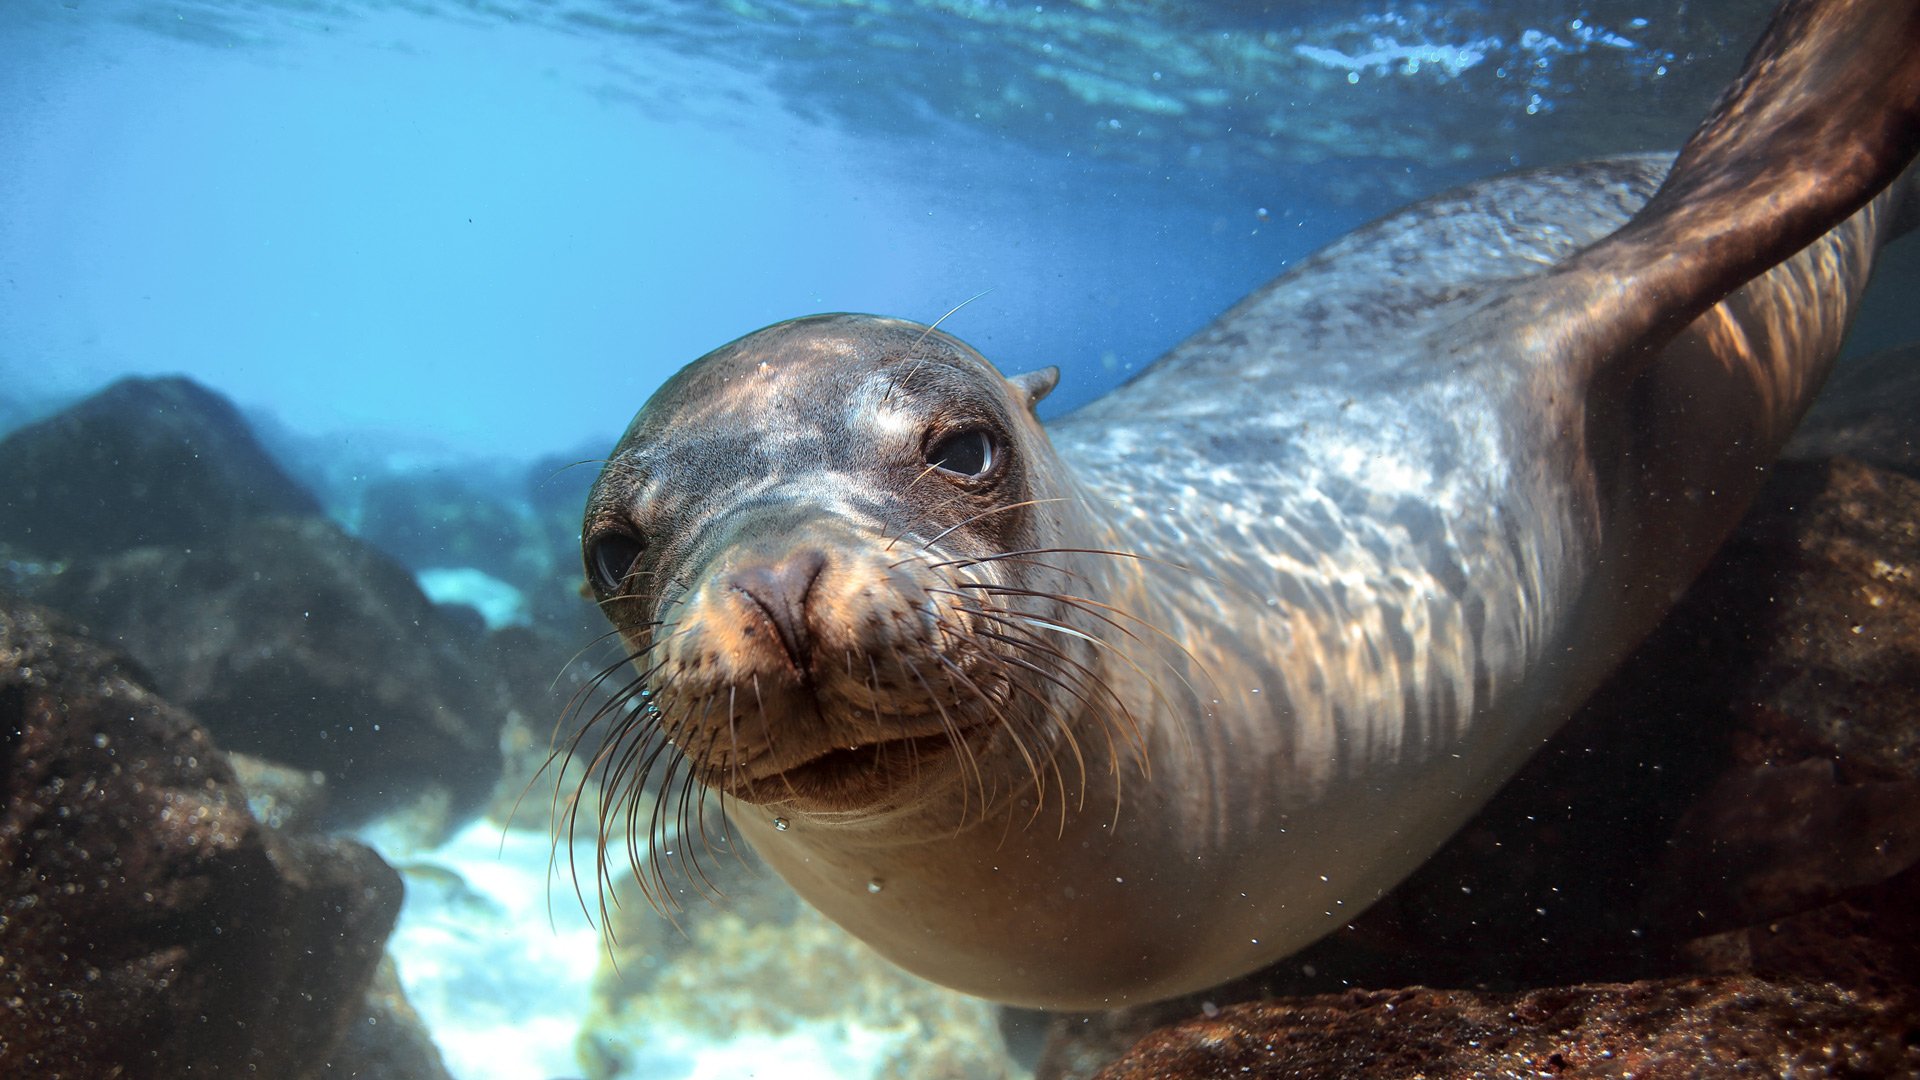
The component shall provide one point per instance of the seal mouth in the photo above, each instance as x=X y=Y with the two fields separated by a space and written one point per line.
x=845 y=776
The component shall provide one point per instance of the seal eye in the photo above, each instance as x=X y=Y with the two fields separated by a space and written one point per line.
x=610 y=558
x=966 y=453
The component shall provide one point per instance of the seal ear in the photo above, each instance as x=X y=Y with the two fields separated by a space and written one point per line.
x=1034 y=385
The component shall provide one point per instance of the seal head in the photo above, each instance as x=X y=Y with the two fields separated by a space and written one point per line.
x=805 y=536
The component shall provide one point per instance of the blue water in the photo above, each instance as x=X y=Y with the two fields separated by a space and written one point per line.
x=391 y=223
x=413 y=234
x=495 y=228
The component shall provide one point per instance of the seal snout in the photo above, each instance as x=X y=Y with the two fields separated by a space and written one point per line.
x=780 y=590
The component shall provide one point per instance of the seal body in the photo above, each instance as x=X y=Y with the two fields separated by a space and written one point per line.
x=1089 y=715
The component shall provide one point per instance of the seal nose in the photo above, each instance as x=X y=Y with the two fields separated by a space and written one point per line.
x=780 y=592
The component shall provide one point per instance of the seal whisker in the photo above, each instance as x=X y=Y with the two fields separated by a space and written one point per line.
x=959 y=742
x=555 y=474
x=1006 y=724
x=570 y=813
x=648 y=868
x=766 y=726
x=949 y=530
x=688 y=859
x=1108 y=718
x=1073 y=744
x=554 y=683
x=1045 y=736
x=914 y=349
x=733 y=736
x=668 y=833
x=1098 y=610
x=1025 y=622
x=620 y=746
x=976 y=560
x=664 y=835
x=575 y=702
x=952 y=499
x=612 y=707
x=1106 y=706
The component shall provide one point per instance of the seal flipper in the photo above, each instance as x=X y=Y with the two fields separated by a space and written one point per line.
x=1824 y=116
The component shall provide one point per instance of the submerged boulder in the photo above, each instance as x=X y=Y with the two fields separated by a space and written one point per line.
x=145 y=462
x=296 y=643
x=149 y=926
x=155 y=518
x=1869 y=410
x=1676 y=1029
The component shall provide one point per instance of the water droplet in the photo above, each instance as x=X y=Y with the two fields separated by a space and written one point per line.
x=780 y=824
x=875 y=885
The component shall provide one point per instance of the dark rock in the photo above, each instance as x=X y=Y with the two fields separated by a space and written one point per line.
x=388 y=1040
x=1869 y=410
x=443 y=518
x=291 y=800
x=1729 y=1026
x=297 y=643
x=289 y=639
x=143 y=462
x=1817 y=787
x=149 y=926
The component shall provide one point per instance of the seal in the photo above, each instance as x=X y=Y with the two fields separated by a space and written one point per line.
x=1120 y=708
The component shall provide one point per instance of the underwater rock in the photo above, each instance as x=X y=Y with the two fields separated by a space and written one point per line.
x=143 y=462
x=291 y=800
x=149 y=926
x=294 y=642
x=1669 y=1028
x=437 y=519
x=503 y=540
x=1742 y=798
x=1816 y=604
x=387 y=1039
x=1869 y=410
x=287 y=638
